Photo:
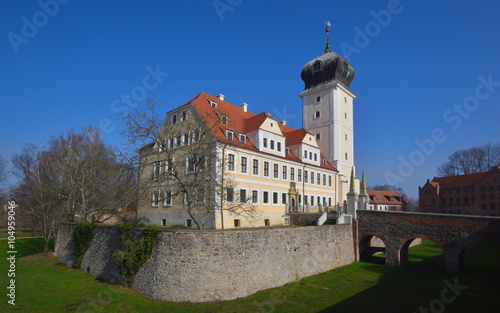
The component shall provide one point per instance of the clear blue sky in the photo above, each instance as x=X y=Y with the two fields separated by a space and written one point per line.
x=68 y=67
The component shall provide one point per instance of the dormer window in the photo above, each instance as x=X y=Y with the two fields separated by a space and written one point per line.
x=243 y=138
x=229 y=135
x=224 y=119
x=287 y=151
x=183 y=116
x=213 y=104
x=265 y=143
x=174 y=119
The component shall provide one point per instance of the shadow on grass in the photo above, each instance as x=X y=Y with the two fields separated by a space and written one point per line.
x=416 y=290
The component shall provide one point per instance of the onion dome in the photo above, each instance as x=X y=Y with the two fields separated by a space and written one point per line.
x=327 y=69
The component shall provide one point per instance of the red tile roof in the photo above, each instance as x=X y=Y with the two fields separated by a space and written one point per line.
x=384 y=197
x=242 y=122
x=458 y=181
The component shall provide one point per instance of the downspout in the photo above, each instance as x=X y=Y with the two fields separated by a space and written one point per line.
x=303 y=188
x=222 y=187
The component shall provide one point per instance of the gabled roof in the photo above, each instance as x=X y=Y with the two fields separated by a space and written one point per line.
x=384 y=197
x=241 y=122
x=458 y=181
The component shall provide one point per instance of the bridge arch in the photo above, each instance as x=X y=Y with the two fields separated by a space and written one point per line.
x=404 y=244
x=485 y=240
x=369 y=244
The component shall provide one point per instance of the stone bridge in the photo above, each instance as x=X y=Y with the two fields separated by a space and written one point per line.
x=453 y=233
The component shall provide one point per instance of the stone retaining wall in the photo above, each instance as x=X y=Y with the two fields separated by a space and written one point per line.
x=204 y=266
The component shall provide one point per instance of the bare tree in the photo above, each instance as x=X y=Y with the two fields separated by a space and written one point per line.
x=186 y=157
x=473 y=160
x=75 y=179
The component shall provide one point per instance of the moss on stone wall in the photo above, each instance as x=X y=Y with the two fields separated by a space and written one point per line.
x=83 y=236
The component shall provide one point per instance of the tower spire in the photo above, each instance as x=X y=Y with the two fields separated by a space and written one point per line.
x=351 y=185
x=327 y=30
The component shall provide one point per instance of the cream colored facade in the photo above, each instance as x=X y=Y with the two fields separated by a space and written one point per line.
x=328 y=114
x=254 y=176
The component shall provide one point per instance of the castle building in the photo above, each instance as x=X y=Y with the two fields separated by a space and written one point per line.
x=383 y=200
x=473 y=194
x=218 y=165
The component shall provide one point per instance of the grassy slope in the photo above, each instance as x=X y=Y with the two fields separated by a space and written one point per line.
x=45 y=285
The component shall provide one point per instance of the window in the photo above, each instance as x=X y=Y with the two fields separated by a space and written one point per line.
x=190 y=165
x=183 y=116
x=278 y=144
x=267 y=222
x=243 y=139
x=243 y=196
x=312 y=177
x=255 y=196
x=287 y=151
x=317 y=114
x=329 y=180
x=276 y=171
x=329 y=201
x=230 y=194
x=305 y=200
x=237 y=223
x=310 y=155
x=345 y=137
x=266 y=169
x=243 y=164
x=292 y=173
x=318 y=99
x=163 y=222
x=167 y=198
x=345 y=114
x=155 y=198
x=272 y=144
x=305 y=176
x=224 y=119
x=174 y=119
x=275 y=198
x=229 y=135
x=185 y=139
x=156 y=169
x=284 y=172
x=171 y=143
x=265 y=196
x=324 y=179
x=230 y=162
x=312 y=200
x=318 y=180
x=305 y=154
x=196 y=135
x=315 y=157
x=318 y=136
x=200 y=195
x=189 y=222
x=346 y=156
x=264 y=143
x=283 y=197
x=255 y=167
x=169 y=166
x=299 y=175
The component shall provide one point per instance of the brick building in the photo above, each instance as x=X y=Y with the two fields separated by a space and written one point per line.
x=474 y=194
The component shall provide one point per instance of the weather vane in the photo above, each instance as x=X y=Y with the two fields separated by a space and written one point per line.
x=328 y=24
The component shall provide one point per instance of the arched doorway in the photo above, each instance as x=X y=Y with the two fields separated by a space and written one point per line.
x=421 y=252
x=372 y=249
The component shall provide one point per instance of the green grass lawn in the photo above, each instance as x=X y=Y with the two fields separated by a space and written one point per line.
x=45 y=285
x=19 y=233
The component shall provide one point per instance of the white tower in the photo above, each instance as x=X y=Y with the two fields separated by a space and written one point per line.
x=327 y=111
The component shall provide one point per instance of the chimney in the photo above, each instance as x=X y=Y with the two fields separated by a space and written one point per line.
x=244 y=106
x=220 y=97
x=283 y=122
